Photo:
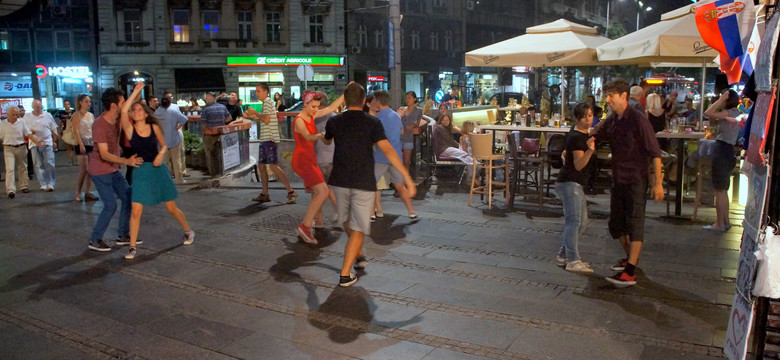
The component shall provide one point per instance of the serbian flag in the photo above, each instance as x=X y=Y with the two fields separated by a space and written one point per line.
x=727 y=26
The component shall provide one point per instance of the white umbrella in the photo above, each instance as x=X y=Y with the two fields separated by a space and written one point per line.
x=558 y=43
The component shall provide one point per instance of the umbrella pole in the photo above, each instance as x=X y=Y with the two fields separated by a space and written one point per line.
x=703 y=94
x=563 y=94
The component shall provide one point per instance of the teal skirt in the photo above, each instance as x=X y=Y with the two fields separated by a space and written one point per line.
x=152 y=185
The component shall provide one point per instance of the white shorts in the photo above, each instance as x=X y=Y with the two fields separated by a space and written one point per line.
x=389 y=171
x=355 y=206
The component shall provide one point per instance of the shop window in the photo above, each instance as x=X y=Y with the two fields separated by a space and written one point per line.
x=210 y=24
x=379 y=39
x=362 y=36
x=3 y=40
x=132 y=25
x=245 y=25
x=181 y=26
x=322 y=77
x=415 y=37
x=315 y=29
x=448 y=40
x=434 y=40
x=255 y=77
x=273 y=27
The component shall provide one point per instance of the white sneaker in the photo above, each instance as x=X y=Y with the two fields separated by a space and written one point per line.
x=578 y=267
x=560 y=261
x=189 y=237
x=50 y=187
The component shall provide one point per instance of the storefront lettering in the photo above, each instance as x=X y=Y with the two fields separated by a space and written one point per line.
x=284 y=61
x=698 y=48
x=555 y=56
x=75 y=72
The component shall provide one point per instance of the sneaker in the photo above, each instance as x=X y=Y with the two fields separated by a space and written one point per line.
x=716 y=228
x=125 y=240
x=373 y=218
x=560 y=261
x=99 y=245
x=25 y=190
x=578 y=267
x=291 y=196
x=43 y=188
x=315 y=226
x=306 y=235
x=11 y=194
x=620 y=266
x=346 y=281
x=50 y=188
x=414 y=217
x=189 y=237
x=622 y=279
x=361 y=263
x=262 y=198
x=130 y=254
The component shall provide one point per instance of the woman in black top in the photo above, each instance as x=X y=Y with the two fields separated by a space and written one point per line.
x=574 y=174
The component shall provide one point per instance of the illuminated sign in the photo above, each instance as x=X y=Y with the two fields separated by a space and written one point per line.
x=285 y=60
x=40 y=71
x=438 y=96
x=74 y=72
x=376 y=78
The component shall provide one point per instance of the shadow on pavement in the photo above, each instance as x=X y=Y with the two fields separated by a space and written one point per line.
x=301 y=255
x=251 y=209
x=384 y=231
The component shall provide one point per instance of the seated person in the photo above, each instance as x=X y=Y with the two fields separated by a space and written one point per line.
x=446 y=144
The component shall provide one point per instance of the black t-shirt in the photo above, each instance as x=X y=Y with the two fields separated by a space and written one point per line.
x=448 y=97
x=355 y=134
x=234 y=110
x=575 y=140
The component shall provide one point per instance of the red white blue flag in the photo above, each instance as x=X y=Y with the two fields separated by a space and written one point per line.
x=727 y=26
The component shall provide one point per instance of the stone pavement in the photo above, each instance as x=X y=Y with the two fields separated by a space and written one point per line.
x=462 y=283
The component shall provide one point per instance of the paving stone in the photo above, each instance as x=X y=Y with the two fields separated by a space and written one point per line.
x=443 y=354
x=30 y=346
x=266 y=346
x=556 y=344
x=461 y=328
x=197 y=331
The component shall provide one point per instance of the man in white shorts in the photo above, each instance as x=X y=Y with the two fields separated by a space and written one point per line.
x=352 y=179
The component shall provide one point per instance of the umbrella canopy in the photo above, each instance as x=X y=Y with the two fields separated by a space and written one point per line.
x=559 y=43
x=673 y=39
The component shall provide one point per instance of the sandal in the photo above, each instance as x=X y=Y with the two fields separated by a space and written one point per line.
x=90 y=197
x=78 y=198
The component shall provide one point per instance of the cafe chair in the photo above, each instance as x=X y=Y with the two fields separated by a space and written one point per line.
x=527 y=166
x=444 y=161
x=703 y=160
x=484 y=158
x=555 y=146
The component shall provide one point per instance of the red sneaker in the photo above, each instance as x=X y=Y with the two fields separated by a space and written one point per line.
x=305 y=233
x=622 y=280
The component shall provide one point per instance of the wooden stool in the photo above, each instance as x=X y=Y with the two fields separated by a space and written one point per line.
x=482 y=151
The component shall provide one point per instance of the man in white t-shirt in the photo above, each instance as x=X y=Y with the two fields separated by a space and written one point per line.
x=12 y=134
x=42 y=125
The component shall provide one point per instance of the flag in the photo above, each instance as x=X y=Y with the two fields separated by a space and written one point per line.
x=727 y=26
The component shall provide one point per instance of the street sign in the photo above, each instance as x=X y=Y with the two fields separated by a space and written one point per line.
x=285 y=60
x=305 y=72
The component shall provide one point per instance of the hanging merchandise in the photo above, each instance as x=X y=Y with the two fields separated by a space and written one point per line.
x=767 y=283
x=762 y=115
x=726 y=26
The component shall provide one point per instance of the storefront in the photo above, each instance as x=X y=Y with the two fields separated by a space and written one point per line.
x=53 y=84
x=480 y=87
x=376 y=82
x=279 y=72
x=127 y=82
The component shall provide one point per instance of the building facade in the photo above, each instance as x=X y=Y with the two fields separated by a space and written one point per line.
x=47 y=52
x=190 y=47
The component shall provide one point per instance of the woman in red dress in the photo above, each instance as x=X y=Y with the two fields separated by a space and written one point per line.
x=304 y=160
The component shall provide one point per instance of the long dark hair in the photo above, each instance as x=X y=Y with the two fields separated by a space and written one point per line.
x=449 y=117
x=78 y=100
x=150 y=118
x=369 y=99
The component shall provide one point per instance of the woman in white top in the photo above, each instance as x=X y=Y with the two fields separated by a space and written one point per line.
x=82 y=130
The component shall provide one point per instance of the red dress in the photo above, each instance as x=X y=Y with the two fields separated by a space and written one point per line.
x=304 y=160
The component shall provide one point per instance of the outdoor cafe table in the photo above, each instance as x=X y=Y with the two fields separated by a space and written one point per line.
x=681 y=138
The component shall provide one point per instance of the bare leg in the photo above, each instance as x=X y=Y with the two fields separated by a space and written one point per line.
x=625 y=242
x=82 y=159
x=352 y=250
x=178 y=215
x=135 y=221
x=318 y=197
x=721 y=208
x=407 y=154
x=633 y=254
x=263 y=177
x=403 y=192
x=378 y=203
x=281 y=176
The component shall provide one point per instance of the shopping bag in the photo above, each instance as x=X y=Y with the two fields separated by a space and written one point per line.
x=767 y=282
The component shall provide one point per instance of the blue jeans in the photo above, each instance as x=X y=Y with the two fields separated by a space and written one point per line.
x=575 y=212
x=111 y=187
x=43 y=160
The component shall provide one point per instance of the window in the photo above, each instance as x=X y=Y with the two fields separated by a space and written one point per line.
x=322 y=77
x=448 y=40
x=438 y=3
x=273 y=27
x=62 y=40
x=210 y=24
x=20 y=46
x=434 y=40
x=379 y=39
x=181 y=26
x=245 y=25
x=362 y=36
x=3 y=40
x=315 y=29
x=132 y=25
x=415 y=39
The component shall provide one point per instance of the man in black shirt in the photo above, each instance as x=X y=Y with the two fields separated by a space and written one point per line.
x=233 y=108
x=451 y=97
x=352 y=178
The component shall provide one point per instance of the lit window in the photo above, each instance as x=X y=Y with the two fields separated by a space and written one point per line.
x=3 y=40
x=210 y=23
x=181 y=25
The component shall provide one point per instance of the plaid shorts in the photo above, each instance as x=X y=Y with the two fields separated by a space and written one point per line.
x=267 y=153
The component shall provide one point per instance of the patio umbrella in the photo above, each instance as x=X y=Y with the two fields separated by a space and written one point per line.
x=558 y=43
x=674 y=39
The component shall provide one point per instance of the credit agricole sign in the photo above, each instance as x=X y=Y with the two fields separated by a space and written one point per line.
x=285 y=60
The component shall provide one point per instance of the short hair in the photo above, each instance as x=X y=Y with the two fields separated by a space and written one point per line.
x=165 y=102
x=616 y=86
x=111 y=96
x=733 y=99
x=636 y=91
x=383 y=97
x=264 y=86
x=580 y=110
x=166 y=92
x=531 y=107
x=354 y=95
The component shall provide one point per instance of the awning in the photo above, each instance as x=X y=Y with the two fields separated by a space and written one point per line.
x=199 y=79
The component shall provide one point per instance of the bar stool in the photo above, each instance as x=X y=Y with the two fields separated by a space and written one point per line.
x=482 y=151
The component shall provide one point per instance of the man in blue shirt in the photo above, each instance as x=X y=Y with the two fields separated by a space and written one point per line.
x=171 y=120
x=211 y=116
x=391 y=122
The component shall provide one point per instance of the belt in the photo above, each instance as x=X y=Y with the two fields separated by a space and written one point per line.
x=16 y=145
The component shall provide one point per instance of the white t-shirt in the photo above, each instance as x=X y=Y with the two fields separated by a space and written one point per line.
x=13 y=134
x=42 y=126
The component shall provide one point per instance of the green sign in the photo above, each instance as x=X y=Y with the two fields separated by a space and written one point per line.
x=285 y=60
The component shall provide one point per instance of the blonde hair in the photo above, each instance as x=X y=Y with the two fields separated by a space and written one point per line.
x=654 y=104
x=467 y=128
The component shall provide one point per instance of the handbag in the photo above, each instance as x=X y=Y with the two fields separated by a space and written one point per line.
x=68 y=137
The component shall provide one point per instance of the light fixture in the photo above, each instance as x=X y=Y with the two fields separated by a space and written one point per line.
x=649 y=8
x=13 y=74
x=135 y=72
x=640 y=4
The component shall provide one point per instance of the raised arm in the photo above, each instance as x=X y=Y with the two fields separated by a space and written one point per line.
x=124 y=112
x=331 y=108
x=715 y=111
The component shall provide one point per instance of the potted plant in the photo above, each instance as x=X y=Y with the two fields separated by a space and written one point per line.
x=193 y=149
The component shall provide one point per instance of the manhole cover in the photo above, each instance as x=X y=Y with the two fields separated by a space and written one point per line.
x=281 y=222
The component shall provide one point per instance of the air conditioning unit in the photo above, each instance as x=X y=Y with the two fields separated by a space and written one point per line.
x=59 y=10
x=355 y=50
x=469 y=4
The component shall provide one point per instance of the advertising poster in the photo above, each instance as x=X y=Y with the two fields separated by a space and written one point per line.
x=740 y=322
x=6 y=103
x=231 y=156
x=758 y=181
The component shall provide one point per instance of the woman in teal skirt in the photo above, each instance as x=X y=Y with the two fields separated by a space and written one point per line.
x=152 y=183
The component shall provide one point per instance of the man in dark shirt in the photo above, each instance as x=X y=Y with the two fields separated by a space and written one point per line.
x=352 y=177
x=451 y=97
x=633 y=143
x=212 y=115
x=233 y=107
